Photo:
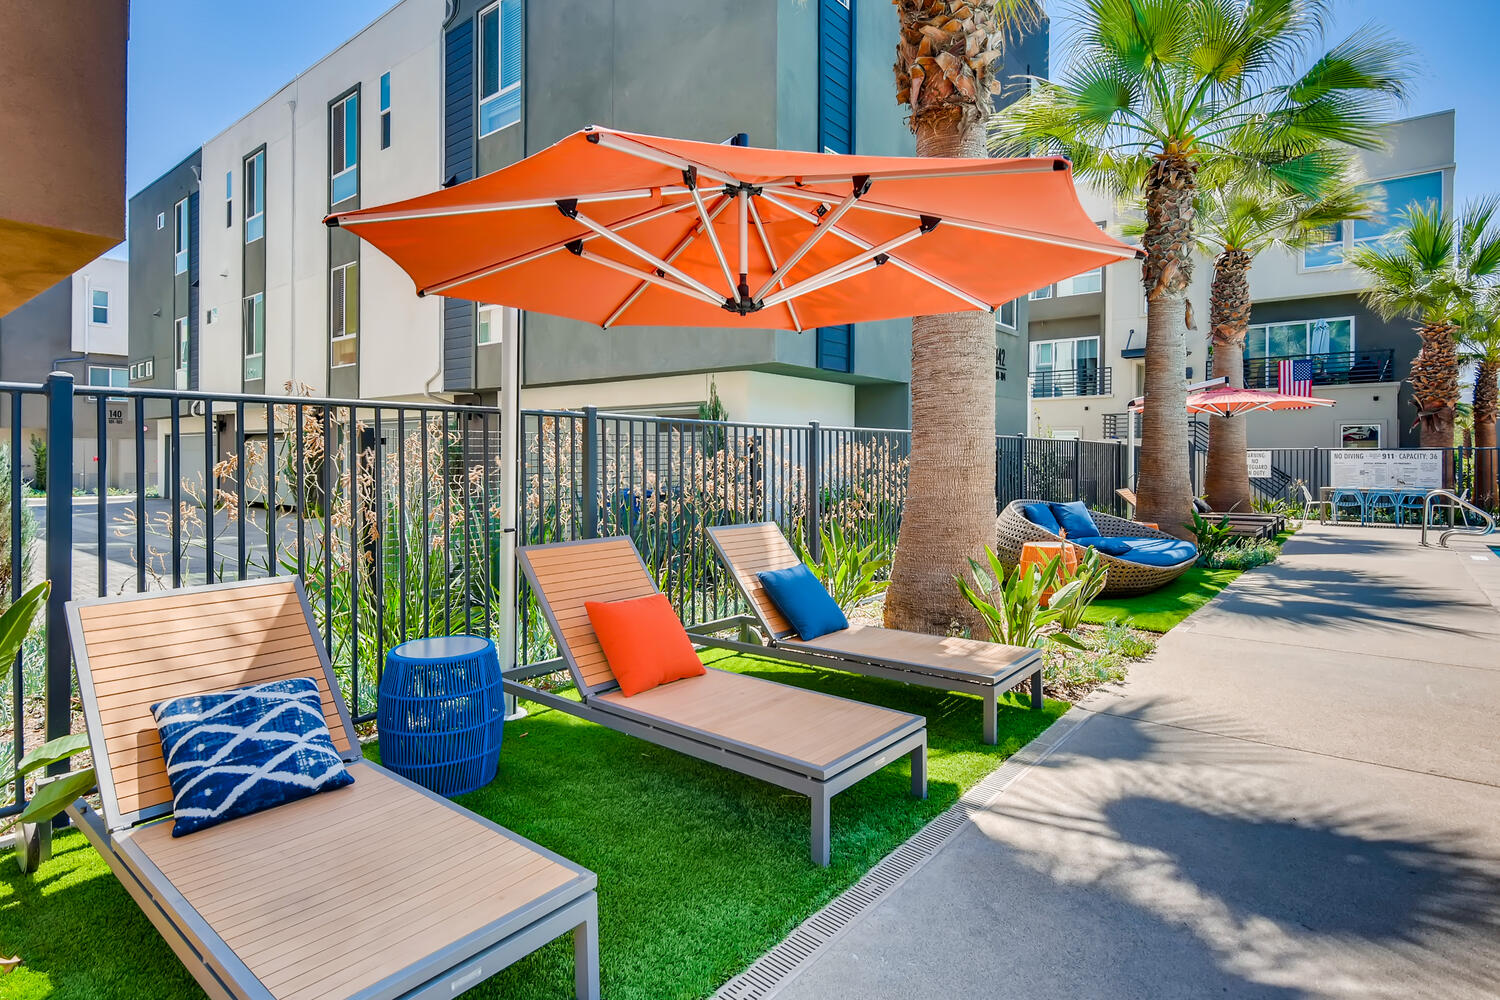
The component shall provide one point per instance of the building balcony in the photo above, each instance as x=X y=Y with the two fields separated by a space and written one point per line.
x=1071 y=382
x=1343 y=368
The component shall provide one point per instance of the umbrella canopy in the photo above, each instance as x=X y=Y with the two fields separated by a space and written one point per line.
x=614 y=228
x=1226 y=401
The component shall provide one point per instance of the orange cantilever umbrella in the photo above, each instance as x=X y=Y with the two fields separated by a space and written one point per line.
x=615 y=228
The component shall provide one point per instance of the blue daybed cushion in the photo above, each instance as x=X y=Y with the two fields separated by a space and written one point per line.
x=1110 y=546
x=1040 y=514
x=802 y=600
x=1157 y=551
x=1074 y=519
x=237 y=752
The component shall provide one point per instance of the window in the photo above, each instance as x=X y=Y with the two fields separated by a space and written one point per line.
x=1005 y=316
x=500 y=47
x=1082 y=284
x=180 y=242
x=228 y=199
x=254 y=327
x=1352 y=436
x=255 y=196
x=183 y=348
x=385 y=111
x=161 y=221
x=141 y=370
x=115 y=378
x=1045 y=292
x=99 y=306
x=343 y=133
x=343 y=315
x=496 y=323
x=1300 y=338
x=1396 y=196
x=1065 y=367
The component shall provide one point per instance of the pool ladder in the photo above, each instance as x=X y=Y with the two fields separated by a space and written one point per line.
x=1455 y=503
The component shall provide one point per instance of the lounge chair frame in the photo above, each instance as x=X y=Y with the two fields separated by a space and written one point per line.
x=572 y=907
x=818 y=784
x=933 y=676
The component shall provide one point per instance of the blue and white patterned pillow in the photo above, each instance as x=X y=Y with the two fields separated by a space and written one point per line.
x=233 y=753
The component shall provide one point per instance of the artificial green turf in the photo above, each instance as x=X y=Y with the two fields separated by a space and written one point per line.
x=1159 y=610
x=700 y=869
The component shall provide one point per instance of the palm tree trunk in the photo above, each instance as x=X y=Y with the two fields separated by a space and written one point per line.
x=1486 y=407
x=1227 y=479
x=950 y=507
x=1434 y=383
x=1164 y=490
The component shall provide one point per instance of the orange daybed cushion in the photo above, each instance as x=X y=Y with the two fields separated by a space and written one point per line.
x=643 y=642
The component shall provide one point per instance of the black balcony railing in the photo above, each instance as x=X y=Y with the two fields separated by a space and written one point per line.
x=1071 y=382
x=1343 y=368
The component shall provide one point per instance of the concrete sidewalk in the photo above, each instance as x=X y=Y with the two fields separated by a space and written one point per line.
x=1298 y=795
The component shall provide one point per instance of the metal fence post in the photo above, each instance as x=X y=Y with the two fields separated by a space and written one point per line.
x=590 y=471
x=813 y=528
x=59 y=556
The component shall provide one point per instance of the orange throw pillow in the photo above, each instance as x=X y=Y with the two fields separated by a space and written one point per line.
x=643 y=642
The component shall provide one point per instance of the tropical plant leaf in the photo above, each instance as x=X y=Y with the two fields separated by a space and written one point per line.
x=16 y=623
x=55 y=796
x=53 y=751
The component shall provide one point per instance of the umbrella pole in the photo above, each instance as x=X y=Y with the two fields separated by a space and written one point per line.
x=510 y=461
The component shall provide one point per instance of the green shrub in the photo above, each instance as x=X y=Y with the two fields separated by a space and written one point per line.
x=39 y=461
x=1106 y=659
x=1242 y=554
x=1210 y=537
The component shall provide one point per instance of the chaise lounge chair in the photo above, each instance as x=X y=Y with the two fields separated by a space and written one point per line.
x=380 y=889
x=813 y=744
x=965 y=666
x=1242 y=524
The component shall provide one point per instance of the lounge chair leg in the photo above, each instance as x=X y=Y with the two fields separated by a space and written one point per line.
x=821 y=828
x=992 y=716
x=1036 y=691
x=919 y=772
x=586 y=954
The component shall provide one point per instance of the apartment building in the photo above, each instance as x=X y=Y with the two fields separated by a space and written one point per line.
x=243 y=289
x=1087 y=335
x=77 y=326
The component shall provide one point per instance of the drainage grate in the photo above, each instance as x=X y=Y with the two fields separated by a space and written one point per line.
x=773 y=969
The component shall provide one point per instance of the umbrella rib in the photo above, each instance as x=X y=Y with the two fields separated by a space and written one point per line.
x=487 y=270
x=646 y=255
x=904 y=265
x=821 y=227
x=713 y=240
x=839 y=271
x=1000 y=167
x=630 y=147
x=676 y=251
x=765 y=243
x=984 y=227
x=356 y=219
x=649 y=276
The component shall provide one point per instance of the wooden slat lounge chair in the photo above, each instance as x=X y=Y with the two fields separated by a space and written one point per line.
x=967 y=666
x=813 y=744
x=1242 y=524
x=380 y=889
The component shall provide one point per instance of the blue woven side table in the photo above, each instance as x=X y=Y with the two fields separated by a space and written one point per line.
x=441 y=713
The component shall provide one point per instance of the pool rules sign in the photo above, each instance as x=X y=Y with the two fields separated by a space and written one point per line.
x=1367 y=468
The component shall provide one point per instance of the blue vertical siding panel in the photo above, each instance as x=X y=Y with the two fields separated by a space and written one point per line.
x=458 y=162
x=835 y=348
x=193 y=351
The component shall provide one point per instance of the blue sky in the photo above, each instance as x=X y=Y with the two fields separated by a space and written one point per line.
x=188 y=79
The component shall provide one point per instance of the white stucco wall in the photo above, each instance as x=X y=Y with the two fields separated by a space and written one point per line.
x=749 y=396
x=399 y=349
x=87 y=337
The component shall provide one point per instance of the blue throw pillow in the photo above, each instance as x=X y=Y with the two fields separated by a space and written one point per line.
x=1040 y=515
x=1074 y=519
x=803 y=602
x=1110 y=546
x=233 y=753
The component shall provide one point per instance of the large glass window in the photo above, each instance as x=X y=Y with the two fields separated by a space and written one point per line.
x=254 y=327
x=1005 y=316
x=343 y=130
x=1300 y=338
x=180 y=237
x=1065 y=367
x=1045 y=292
x=255 y=196
x=1082 y=284
x=343 y=315
x=115 y=378
x=99 y=305
x=1396 y=196
x=496 y=323
x=500 y=48
x=183 y=349
x=385 y=111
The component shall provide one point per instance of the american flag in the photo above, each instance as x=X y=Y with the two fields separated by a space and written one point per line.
x=1294 y=376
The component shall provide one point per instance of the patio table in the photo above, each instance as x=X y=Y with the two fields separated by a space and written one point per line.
x=1402 y=499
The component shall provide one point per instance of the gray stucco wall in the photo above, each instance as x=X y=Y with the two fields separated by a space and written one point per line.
x=157 y=296
x=1371 y=333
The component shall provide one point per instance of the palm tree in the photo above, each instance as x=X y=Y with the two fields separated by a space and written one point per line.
x=1433 y=270
x=1238 y=219
x=944 y=61
x=1160 y=89
x=1481 y=337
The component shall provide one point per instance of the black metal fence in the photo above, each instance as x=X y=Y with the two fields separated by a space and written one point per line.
x=1312 y=468
x=1340 y=368
x=393 y=514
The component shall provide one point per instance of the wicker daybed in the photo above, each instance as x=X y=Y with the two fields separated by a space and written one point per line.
x=1014 y=529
